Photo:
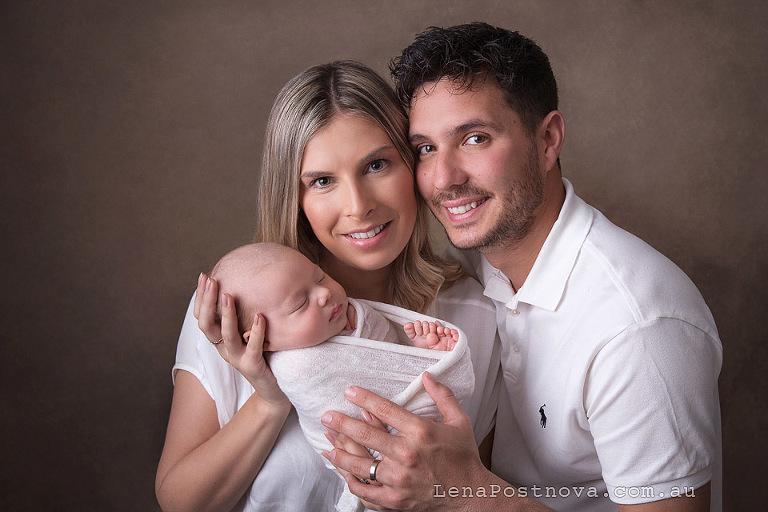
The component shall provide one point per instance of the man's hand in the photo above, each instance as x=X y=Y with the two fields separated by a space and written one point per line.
x=423 y=455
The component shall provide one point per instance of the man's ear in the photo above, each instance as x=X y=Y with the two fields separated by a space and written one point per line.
x=550 y=137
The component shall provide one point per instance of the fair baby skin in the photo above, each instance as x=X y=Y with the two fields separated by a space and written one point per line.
x=353 y=181
x=470 y=144
x=301 y=305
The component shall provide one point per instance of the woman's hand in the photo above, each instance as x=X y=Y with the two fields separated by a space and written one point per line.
x=247 y=358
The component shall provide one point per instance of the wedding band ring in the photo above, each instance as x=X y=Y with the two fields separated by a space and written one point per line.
x=372 y=471
x=217 y=342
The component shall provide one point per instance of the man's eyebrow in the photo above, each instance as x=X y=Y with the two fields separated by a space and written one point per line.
x=467 y=126
x=416 y=138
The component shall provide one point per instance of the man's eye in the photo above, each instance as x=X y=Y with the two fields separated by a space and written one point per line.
x=476 y=139
x=426 y=148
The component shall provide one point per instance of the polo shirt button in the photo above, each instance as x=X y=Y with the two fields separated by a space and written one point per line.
x=514 y=312
x=516 y=348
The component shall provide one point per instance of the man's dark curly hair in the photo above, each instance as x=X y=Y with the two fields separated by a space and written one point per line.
x=478 y=51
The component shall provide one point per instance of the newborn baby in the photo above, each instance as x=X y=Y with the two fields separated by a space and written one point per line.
x=303 y=306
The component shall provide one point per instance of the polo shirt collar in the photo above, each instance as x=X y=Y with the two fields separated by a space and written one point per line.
x=545 y=284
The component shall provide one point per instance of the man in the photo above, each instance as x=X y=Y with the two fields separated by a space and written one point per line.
x=599 y=330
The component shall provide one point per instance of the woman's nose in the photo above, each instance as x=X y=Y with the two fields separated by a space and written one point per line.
x=360 y=200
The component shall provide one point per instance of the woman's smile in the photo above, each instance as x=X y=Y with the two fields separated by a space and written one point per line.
x=369 y=233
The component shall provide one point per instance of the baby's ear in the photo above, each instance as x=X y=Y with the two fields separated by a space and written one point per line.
x=247 y=335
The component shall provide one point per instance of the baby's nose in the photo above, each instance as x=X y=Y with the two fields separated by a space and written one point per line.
x=323 y=296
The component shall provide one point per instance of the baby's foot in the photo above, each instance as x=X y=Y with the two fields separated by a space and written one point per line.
x=431 y=335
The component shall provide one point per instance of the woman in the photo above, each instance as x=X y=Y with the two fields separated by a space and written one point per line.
x=337 y=184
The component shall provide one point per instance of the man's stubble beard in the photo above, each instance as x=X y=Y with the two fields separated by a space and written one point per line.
x=520 y=201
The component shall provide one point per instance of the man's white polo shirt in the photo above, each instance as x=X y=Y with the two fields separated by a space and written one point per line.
x=610 y=362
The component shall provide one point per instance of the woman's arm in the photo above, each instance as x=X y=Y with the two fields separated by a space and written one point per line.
x=204 y=468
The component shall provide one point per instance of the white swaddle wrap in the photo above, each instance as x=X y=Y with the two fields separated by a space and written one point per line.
x=314 y=378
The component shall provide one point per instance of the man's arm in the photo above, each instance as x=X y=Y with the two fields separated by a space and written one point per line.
x=424 y=462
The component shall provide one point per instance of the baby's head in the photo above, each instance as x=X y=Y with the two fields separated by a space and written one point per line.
x=301 y=304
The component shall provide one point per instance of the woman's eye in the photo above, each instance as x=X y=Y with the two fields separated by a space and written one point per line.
x=476 y=139
x=377 y=165
x=320 y=182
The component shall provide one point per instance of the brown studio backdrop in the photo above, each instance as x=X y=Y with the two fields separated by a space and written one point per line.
x=131 y=140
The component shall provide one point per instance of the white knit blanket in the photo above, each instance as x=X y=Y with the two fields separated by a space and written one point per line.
x=314 y=378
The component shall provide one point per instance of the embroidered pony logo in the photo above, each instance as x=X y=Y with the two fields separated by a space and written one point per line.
x=543 y=416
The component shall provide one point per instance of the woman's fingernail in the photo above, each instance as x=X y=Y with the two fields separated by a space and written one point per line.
x=225 y=300
x=350 y=392
x=366 y=417
x=330 y=437
x=326 y=419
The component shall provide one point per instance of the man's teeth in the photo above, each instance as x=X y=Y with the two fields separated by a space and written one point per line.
x=368 y=234
x=457 y=210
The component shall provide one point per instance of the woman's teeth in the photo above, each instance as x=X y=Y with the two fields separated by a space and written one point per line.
x=368 y=234
x=457 y=210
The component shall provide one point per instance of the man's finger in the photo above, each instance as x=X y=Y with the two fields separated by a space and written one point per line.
x=445 y=400
x=360 y=432
x=359 y=467
x=385 y=410
x=373 y=420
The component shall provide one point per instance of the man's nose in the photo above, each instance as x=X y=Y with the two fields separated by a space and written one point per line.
x=447 y=171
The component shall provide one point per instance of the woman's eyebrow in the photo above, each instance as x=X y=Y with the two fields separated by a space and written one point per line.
x=314 y=174
x=375 y=153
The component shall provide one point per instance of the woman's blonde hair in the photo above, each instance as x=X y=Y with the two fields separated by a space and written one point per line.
x=306 y=104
